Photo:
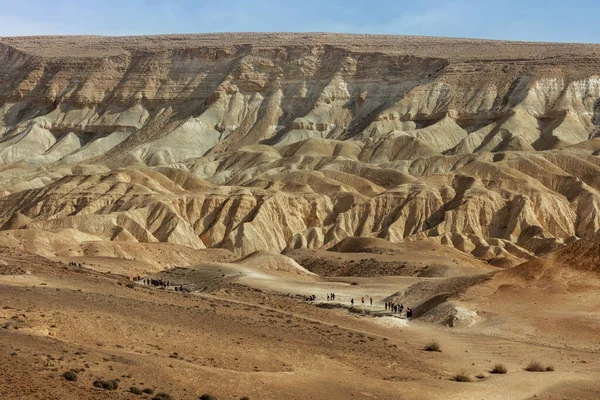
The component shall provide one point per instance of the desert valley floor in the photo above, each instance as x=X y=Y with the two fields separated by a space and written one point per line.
x=243 y=330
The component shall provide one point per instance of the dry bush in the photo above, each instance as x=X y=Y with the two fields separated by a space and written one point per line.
x=499 y=369
x=462 y=377
x=148 y=390
x=550 y=368
x=162 y=396
x=136 y=390
x=535 y=366
x=111 y=384
x=207 y=396
x=433 y=346
x=70 y=375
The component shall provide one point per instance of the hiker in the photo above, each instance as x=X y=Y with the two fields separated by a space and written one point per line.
x=352 y=301
x=327 y=296
x=385 y=305
x=362 y=300
x=371 y=300
x=333 y=296
x=408 y=313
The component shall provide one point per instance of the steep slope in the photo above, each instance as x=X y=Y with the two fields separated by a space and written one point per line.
x=159 y=100
x=272 y=142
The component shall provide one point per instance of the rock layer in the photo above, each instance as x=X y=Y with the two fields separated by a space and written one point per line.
x=256 y=142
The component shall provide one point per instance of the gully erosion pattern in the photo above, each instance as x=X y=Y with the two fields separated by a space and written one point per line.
x=287 y=141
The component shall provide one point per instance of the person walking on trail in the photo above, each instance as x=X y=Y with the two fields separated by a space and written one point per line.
x=362 y=300
x=327 y=296
x=385 y=305
x=352 y=301
x=371 y=300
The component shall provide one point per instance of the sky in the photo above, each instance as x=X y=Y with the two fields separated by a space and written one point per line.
x=527 y=20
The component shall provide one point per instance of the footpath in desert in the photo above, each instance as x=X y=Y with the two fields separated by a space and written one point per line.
x=176 y=212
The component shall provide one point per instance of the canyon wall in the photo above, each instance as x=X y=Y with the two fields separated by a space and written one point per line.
x=273 y=141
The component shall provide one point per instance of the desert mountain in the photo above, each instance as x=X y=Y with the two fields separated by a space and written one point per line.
x=273 y=142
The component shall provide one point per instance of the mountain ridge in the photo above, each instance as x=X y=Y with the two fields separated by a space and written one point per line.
x=487 y=146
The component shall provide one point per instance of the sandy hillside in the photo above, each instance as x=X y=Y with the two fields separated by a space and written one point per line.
x=272 y=142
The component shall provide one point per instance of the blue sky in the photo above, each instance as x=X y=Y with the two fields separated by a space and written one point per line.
x=547 y=20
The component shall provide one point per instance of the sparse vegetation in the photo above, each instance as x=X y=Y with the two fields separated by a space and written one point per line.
x=70 y=375
x=162 y=396
x=136 y=390
x=148 y=390
x=499 y=369
x=130 y=285
x=110 y=384
x=462 y=377
x=245 y=398
x=433 y=346
x=480 y=376
x=535 y=366
x=549 y=368
x=206 y=396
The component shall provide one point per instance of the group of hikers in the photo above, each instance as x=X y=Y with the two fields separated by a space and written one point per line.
x=362 y=301
x=398 y=308
x=74 y=264
x=157 y=283
x=388 y=305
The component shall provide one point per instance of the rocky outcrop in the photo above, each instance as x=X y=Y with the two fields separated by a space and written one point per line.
x=272 y=142
x=161 y=100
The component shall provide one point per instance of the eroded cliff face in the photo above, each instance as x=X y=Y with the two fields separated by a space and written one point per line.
x=267 y=142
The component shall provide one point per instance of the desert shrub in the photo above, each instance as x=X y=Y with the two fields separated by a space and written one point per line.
x=245 y=398
x=550 y=368
x=162 y=396
x=110 y=384
x=130 y=285
x=433 y=346
x=499 y=369
x=148 y=390
x=462 y=377
x=480 y=376
x=70 y=375
x=136 y=390
x=535 y=366
x=206 y=396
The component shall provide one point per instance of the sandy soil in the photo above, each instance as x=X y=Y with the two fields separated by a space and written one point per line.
x=253 y=336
